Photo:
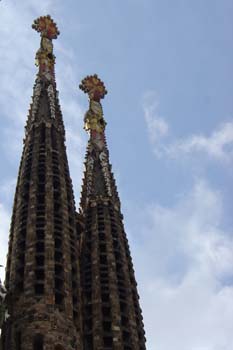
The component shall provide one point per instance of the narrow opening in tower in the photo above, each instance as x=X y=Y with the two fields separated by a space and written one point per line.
x=58 y=270
x=75 y=314
x=40 y=234
x=126 y=336
x=105 y=297
x=58 y=256
x=40 y=247
x=42 y=133
x=58 y=243
x=106 y=311
x=40 y=260
x=108 y=341
x=38 y=342
x=107 y=326
x=18 y=340
x=39 y=273
x=88 y=342
x=58 y=283
x=124 y=321
x=58 y=347
x=88 y=310
x=54 y=138
x=39 y=289
x=88 y=325
x=59 y=298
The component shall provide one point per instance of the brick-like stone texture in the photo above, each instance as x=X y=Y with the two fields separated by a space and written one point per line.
x=42 y=275
x=111 y=314
x=69 y=276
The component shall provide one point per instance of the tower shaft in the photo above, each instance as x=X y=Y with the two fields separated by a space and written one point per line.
x=42 y=276
x=111 y=313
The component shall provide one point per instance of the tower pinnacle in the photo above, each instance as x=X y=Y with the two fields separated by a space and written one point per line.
x=98 y=174
x=44 y=56
x=94 y=87
x=94 y=119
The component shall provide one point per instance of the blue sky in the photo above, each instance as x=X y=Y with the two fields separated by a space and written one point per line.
x=168 y=68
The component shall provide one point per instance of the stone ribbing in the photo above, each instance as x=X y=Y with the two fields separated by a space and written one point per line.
x=42 y=270
x=111 y=313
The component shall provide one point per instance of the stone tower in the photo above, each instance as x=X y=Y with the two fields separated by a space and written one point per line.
x=110 y=303
x=42 y=274
x=69 y=277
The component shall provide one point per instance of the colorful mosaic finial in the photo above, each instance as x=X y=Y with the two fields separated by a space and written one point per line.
x=94 y=119
x=46 y=26
x=44 y=56
x=94 y=87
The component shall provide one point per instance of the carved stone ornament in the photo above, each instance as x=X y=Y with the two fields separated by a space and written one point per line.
x=36 y=98
x=89 y=173
x=51 y=95
x=105 y=168
x=97 y=139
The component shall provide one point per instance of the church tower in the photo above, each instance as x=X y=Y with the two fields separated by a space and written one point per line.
x=69 y=277
x=110 y=303
x=42 y=274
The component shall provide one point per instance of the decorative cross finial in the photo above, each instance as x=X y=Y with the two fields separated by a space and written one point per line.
x=94 y=87
x=46 y=26
x=44 y=56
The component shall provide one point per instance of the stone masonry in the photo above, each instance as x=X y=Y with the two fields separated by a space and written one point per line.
x=42 y=275
x=110 y=308
x=69 y=277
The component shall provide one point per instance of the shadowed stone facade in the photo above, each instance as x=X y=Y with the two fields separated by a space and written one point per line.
x=111 y=313
x=69 y=277
x=42 y=274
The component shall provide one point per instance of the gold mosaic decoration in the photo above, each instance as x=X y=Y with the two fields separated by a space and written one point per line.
x=94 y=87
x=94 y=119
x=46 y=26
x=45 y=59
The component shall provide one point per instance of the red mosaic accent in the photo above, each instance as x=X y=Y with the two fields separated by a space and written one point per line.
x=46 y=26
x=94 y=87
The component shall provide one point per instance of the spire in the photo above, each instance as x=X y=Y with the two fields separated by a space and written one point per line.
x=45 y=104
x=94 y=119
x=42 y=274
x=98 y=182
x=45 y=58
x=111 y=312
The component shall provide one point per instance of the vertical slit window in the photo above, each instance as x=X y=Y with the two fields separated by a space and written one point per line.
x=38 y=342
x=18 y=341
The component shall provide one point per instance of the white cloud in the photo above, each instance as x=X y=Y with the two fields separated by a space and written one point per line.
x=184 y=266
x=156 y=125
x=218 y=145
